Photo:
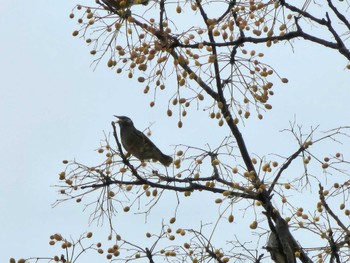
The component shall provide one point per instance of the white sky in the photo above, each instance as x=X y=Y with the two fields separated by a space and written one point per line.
x=53 y=106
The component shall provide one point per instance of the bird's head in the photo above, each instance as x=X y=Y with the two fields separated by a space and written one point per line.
x=124 y=121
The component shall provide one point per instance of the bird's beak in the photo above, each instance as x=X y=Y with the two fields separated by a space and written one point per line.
x=118 y=118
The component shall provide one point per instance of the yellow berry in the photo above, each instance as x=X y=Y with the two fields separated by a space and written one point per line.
x=218 y=200
x=178 y=9
x=287 y=186
x=215 y=162
x=230 y=218
x=62 y=175
x=200 y=96
x=110 y=63
x=304 y=216
x=179 y=153
x=141 y=79
x=226 y=193
x=268 y=106
x=253 y=225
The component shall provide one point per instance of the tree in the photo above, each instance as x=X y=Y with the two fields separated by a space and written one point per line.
x=209 y=55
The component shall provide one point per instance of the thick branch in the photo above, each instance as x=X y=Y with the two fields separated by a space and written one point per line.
x=190 y=188
x=338 y=14
x=341 y=47
x=302 y=13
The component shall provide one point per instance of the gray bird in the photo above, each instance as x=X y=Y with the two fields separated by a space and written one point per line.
x=138 y=144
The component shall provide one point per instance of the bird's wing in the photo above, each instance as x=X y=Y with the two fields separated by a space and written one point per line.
x=149 y=146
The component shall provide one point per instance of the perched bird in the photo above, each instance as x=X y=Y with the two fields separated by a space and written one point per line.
x=138 y=144
x=117 y=5
x=279 y=243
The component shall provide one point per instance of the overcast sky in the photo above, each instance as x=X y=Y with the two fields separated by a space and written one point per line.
x=54 y=106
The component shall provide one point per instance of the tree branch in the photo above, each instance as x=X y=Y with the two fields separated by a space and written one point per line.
x=284 y=167
x=331 y=213
x=338 y=14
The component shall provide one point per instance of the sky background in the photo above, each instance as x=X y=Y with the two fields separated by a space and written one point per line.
x=55 y=106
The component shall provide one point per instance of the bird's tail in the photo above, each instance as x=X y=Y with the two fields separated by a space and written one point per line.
x=166 y=160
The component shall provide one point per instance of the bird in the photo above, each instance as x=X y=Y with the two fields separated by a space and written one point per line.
x=138 y=144
x=118 y=5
